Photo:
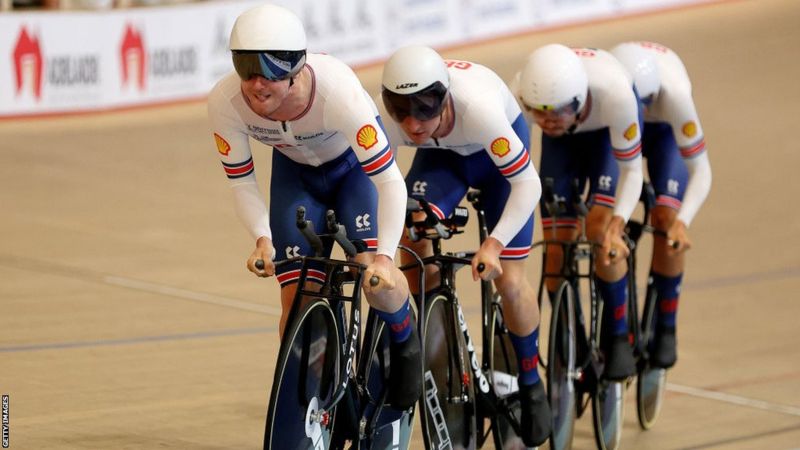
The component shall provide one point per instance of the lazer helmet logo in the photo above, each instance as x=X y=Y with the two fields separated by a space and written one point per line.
x=133 y=58
x=406 y=85
x=28 y=64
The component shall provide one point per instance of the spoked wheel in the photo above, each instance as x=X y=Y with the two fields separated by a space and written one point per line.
x=448 y=402
x=504 y=371
x=651 y=381
x=561 y=357
x=607 y=412
x=392 y=427
x=305 y=380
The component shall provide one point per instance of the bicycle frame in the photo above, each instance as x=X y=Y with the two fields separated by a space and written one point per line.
x=487 y=402
x=351 y=396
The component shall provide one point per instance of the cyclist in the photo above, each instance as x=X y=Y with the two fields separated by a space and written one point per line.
x=329 y=152
x=469 y=132
x=671 y=130
x=584 y=102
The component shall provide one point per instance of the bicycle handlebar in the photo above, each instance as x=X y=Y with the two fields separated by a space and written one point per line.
x=442 y=228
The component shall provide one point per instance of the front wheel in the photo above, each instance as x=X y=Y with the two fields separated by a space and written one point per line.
x=448 y=403
x=504 y=371
x=607 y=412
x=306 y=377
x=561 y=360
x=390 y=428
x=651 y=381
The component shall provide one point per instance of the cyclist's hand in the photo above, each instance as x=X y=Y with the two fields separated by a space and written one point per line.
x=678 y=238
x=489 y=256
x=382 y=268
x=265 y=252
x=613 y=247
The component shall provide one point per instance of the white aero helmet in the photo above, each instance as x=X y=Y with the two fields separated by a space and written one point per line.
x=415 y=83
x=642 y=65
x=554 y=77
x=268 y=41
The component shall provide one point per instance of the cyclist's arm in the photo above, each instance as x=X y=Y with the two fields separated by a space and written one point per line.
x=233 y=150
x=511 y=156
x=682 y=116
x=697 y=189
x=626 y=143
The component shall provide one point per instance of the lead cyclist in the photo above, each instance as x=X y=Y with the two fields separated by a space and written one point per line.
x=329 y=152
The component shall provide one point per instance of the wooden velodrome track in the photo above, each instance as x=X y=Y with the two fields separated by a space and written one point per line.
x=130 y=322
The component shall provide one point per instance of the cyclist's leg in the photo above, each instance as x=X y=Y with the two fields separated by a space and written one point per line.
x=669 y=176
x=520 y=308
x=434 y=176
x=359 y=213
x=560 y=163
x=611 y=280
x=288 y=190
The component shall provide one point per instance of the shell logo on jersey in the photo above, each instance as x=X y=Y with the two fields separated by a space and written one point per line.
x=631 y=131
x=500 y=147
x=689 y=129
x=222 y=145
x=367 y=136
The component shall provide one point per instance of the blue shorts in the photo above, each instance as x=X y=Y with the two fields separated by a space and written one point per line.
x=442 y=177
x=665 y=166
x=340 y=185
x=586 y=157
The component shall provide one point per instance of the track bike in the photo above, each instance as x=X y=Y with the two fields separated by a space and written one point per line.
x=464 y=400
x=576 y=355
x=330 y=387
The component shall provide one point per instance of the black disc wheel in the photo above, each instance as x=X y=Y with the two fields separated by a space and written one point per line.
x=306 y=376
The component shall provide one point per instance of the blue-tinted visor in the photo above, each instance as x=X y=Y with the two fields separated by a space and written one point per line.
x=423 y=105
x=272 y=65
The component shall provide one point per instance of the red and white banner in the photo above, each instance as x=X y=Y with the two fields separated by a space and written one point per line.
x=59 y=62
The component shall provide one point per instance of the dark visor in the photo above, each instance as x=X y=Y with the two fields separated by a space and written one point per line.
x=272 y=65
x=423 y=105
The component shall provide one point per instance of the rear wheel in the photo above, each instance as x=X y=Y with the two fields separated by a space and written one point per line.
x=561 y=360
x=306 y=377
x=448 y=403
x=651 y=381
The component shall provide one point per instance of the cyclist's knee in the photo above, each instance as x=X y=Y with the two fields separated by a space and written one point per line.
x=661 y=217
x=597 y=221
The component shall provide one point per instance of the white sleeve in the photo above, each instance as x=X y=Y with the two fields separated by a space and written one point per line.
x=526 y=189
x=698 y=187
x=233 y=150
x=629 y=186
x=391 y=217
x=251 y=209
